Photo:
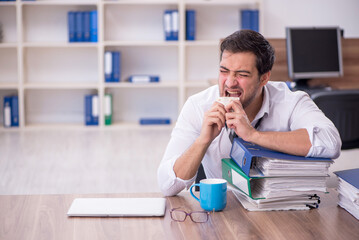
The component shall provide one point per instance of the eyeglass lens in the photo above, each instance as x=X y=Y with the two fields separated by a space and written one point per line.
x=199 y=217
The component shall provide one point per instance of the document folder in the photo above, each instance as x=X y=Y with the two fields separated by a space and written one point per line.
x=245 y=153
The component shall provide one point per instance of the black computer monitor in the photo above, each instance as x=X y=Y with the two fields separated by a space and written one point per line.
x=313 y=52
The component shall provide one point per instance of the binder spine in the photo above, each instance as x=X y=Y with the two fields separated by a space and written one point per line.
x=143 y=79
x=95 y=109
x=71 y=26
x=108 y=109
x=93 y=26
x=91 y=110
x=190 y=25
x=78 y=27
x=108 y=66
x=14 y=111
x=7 y=112
x=167 y=24
x=86 y=26
x=174 y=25
x=116 y=63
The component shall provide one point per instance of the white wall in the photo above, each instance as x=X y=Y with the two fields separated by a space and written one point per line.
x=281 y=13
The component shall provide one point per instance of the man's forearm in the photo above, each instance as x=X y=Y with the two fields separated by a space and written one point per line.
x=187 y=165
x=295 y=142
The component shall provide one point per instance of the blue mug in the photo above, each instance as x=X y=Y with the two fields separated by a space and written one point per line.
x=212 y=194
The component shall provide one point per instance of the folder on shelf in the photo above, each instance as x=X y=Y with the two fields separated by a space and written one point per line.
x=86 y=26
x=91 y=109
x=7 y=111
x=348 y=190
x=71 y=26
x=155 y=121
x=108 y=66
x=174 y=25
x=250 y=19
x=116 y=65
x=93 y=26
x=79 y=30
x=11 y=111
x=167 y=26
x=255 y=160
x=143 y=78
x=108 y=109
x=14 y=111
x=190 y=25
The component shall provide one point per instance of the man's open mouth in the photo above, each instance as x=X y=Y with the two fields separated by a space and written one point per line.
x=233 y=93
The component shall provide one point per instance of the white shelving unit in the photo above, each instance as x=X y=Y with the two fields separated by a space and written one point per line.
x=51 y=76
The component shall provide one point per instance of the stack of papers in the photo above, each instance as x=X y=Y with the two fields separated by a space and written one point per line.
x=296 y=202
x=348 y=190
x=268 y=180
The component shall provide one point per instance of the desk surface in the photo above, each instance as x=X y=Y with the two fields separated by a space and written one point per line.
x=44 y=217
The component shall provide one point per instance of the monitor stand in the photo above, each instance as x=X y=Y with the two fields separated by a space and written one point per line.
x=302 y=84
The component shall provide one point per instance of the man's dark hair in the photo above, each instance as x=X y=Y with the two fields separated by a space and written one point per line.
x=254 y=42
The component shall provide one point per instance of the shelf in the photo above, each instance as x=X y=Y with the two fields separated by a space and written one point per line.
x=8 y=45
x=60 y=85
x=142 y=85
x=142 y=43
x=60 y=45
x=52 y=76
x=57 y=3
x=140 y=2
x=8 y=85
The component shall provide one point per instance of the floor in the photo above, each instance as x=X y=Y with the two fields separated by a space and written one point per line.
x=81 y=161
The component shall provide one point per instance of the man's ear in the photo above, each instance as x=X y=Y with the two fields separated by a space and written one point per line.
x=265 y=78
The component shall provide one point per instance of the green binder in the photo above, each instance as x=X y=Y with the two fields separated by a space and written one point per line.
x=237 y=178
x=108 y=109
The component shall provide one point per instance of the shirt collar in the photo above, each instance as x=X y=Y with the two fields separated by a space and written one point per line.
x=265 y=106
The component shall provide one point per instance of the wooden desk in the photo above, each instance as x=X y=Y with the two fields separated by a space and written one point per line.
x=44 y=217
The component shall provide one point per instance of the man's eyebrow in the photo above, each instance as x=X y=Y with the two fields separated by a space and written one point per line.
x=238 y=71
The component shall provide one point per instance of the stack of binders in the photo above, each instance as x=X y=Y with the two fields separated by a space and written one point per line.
x=348 y=190
x=250 y=19
x=82 y=26
x=268 y=180
x=171 y=25
x=11 y=111
x=112 y=66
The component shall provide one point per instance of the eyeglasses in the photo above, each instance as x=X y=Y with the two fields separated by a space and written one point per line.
x=196 y=216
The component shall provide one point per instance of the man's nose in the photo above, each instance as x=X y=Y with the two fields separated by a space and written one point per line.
x=231 y=81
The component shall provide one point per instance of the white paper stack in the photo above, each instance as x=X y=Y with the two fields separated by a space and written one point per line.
x=348 y=190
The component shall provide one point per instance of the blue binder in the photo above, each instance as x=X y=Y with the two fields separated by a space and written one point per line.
x=243 y=152
x=351 y=176
x=71 y=25
x=78 y=27
x=167 y=24
x=250 y=19
x=116 y=65
x=93 y=26
x=143 y=78
x=190 y=25
x=154 y=121
x=174 y=25
x=86 y=26
x=108 y=68
x=91 y=110
x=14 y=111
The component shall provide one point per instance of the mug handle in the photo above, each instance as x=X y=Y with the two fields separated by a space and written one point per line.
x=190 y=190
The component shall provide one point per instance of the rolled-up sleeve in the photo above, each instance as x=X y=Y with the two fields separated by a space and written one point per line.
x=183 y=135
x=324 y=136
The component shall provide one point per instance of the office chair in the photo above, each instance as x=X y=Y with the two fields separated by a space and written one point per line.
x=342 y=108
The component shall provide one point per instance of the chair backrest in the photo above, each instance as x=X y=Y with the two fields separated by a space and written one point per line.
x=342 y=108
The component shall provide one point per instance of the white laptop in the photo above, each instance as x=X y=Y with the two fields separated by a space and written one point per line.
x=117 y=207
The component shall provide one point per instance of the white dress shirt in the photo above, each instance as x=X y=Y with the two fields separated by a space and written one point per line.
x=282 y=110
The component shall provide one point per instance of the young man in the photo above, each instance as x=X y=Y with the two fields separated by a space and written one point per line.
x=267 y=114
